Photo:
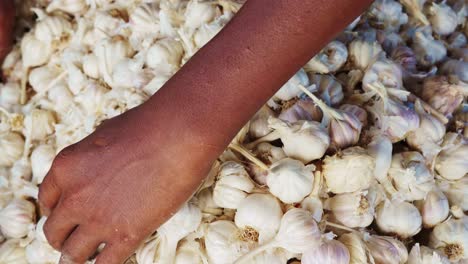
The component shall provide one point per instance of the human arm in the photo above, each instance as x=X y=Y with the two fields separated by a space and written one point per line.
x=7 y=15
x=124 y=180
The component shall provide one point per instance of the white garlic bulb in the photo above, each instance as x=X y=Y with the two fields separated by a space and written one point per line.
x=328 y=88
x=290 y=180
x=398 y=217
x=434 y=208
x=69 y=6
x=443 y=19
x=258 y=125
x=349 y=171
x=455 y=191
x=452 y=163
x=39 y=124
x=352 y=209
x=206 y=32
x=260 y=212
x=387 y=15
x=9 y=95
x=357 y=248
x=386 y=250
x=303 y=140
x=11 y=147
x=330 y=252
x=40 y=78
x=458 y=68
x=91 y=66
x=41 y=161
x=20 y=172
x=232 y=186
x=198 y=13
x=144 y=18
x=222 y=242
x=189 y=251
x=362 y=53
x=269 y=153
x=427 y=49
x=451 y=238
x=12 y=253
x=415 y=9
x=30 y=46
x=410 y=176
x=110 y=51
x=441 y=94
x=302 y=109
x=329 y=59
x=51 y=28
x=16 y=219
x=165 y=55
x=425 y=255
x=291 y=88
x=385 y=72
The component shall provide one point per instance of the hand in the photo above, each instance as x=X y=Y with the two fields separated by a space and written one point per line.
x=119 y=184
x=7 y=19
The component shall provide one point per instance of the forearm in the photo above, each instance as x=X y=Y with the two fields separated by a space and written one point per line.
x=229 y=79
x=7 y=14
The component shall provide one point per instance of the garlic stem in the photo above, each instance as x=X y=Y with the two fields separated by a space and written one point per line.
x=254 y=252
x=244 y=152
x=325 y=108
x=342 y=227
x=268 y=138
x=23 y=86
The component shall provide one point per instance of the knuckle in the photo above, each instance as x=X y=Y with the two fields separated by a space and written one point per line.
x=50 y=236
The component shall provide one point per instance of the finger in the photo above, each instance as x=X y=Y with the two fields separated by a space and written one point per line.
x=80 y=245
x=49 y=194
x=58 y=226
x=117 y=253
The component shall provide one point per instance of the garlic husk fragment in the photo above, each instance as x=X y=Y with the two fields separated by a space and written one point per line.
x=443 y=95
x=41 y=78
x=452 y=162
x=165 y=55
x=208 y=207
x=233 y=185
x=298 y=233
x=290 y=180
x=358 y=251
x=398 y=217
x=350 y=170
x=291 y=88
x=50 y=28
x=328 y=88
x=11 y=147
x=410 y=176
x=329 y=252
x=386 y=250
x=443 y=19
x=17 y=218
x=451 y=238
x=12 y=253
x=424 y=255
x=352 y=209
x=68 y=6
x=259 y=213
x=428 y=50
x=455 y=191
x=434 y=208
x=387 y=15
x=258 y=125
x=330 y=59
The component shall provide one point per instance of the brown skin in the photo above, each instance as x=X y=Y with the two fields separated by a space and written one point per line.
x=7 y=15
x=123 y=181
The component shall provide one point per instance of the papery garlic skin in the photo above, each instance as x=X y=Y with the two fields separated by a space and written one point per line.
x=443 y=19
x=397 y=217
x=434 y=208
x=349 y=171
x=290 y=180
x=9 y=95
x=410 y=176
x=455 y=191
x=362 y=53
x=303 y=140
x=262 y=212
x=41 y=162
x=387 y=250
x=51 y=28
x=232 y=186
x=388 y=15
x=291 y=88
x=39 y=124
x=329 y=59
x=357 y=111
x=428 y=50
x=329 y=89
x=456 y=68
x=451 y=238
x=357 y=248
x=12 y=253
x=16 y=219
x=442 y=95
x=258 y=125
x=29 y=50
x=11 y=147
x=452 y=162
x=425 y=255
x=189 y=252
x=269 y=153
x=352 y=209
x=38 y=252
x=165 y=55
x=314 y=206
x=330 y=252
x=385 y=72
x=303 y=109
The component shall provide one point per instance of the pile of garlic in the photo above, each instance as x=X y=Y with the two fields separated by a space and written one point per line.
x=359 y=158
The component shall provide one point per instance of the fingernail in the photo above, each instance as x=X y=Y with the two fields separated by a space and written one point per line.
x=64 y=259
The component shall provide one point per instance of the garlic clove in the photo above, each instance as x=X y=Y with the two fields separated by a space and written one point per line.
x=455 y=191
x=16 y=219
x=358 y=251
x=232 y=186
x=41 y=161
x=258 y=125
x=11 y=147
x=291 y=88
x=329 y=59
x=330 y=252
x=428 y=50
x=387 y=250
x=451 y=163
x=434 y=208
x=398 y=217
x=443 y=19
x=387 y=15
x=451 y=238
x=456 y=68
x=363 y=52
x=425 y=255
x=329 y=89
x=442 y=95
x=352 y=209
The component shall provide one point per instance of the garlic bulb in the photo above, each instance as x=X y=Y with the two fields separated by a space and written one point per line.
x=291 y=88
x=381 y=149
x=260 y=212
x=329 y=59
x=456 y=191
x=357 y=111
x=397 y=217
x=410 y=176
x=11 y=147
x=16 y=219
x=302 y=109
x=387 y=15
x=20 y=172
x=39 y=124
x=443 y=19
x=91 y=66
x=456 y=68
x=12 y=253
x=41 y=161
x=30 y=46
x=110 y=51
x=290 y=180
x=68 y=6
x=384 y=72
x=314 y=206
x=452 y=163
x=165 y=55
x=223 y=244
x=232 y=186
x=40 y=78
x=298 y=233
x=425 y=255
x=258 y=125
x=269 y=153
x=189 y=252
x=357 y=248
x=9 y=95
x=362 y=53
x=442 y=95
x=38 y=252
x=330 y=252
x=386 y=250
x=51 y=28
x=434 y=208
x=451 y=238
x=303 y=140
x=328 y=88
x=352 y=209
x=427 y=49
x=350 y=170
x=144 y=18
x=197 y=13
